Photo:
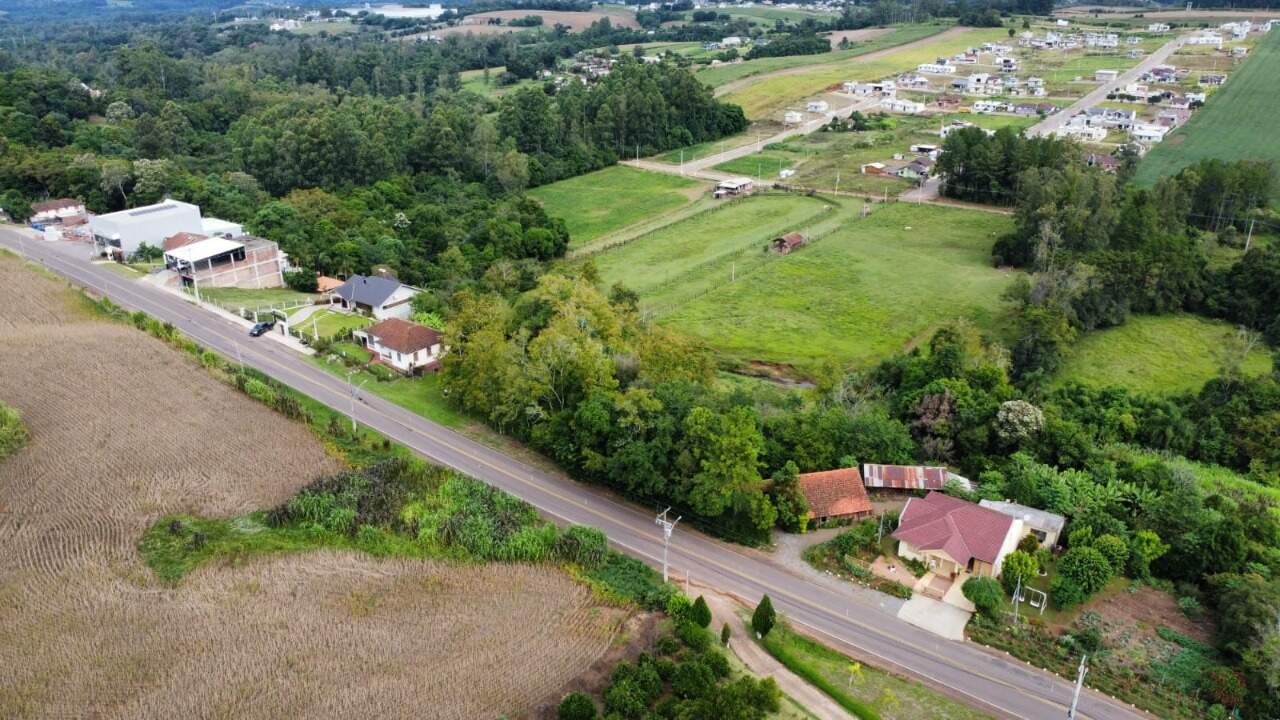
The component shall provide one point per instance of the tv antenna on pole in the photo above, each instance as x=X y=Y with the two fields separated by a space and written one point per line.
x=667 y=527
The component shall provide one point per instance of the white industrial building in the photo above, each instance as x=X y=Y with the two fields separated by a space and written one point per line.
x=120 y=234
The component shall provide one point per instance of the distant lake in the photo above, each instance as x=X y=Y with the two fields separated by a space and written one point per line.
x=400 y=11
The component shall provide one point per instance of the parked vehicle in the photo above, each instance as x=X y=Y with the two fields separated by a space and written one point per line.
x=261 y=328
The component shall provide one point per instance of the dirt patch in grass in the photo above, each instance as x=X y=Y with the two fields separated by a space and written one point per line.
x=1147 y=608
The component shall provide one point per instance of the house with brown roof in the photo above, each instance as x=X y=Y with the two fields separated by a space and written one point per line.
x=181 y=239
x=910 y=477
x=405 y=346
x=953 y=537
x=785 y=244
x=55 y=210
x=325 y=284
x=835 y=494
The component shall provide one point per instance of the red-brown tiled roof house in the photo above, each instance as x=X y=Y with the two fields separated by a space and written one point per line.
x=835 y=494
x=952 y=536
x=406 y=346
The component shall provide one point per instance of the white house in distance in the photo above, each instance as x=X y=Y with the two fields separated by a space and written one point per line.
x=1105 y=76
x=817 y=106
x=792 y=117
x=1158 y=28
x=377 y=297
x=121 y=233
x=1208 y=38
x=899 y=105
x=731 y=41
x=1147 y=133
x=936 y=68
x=56 y=210
x=406 y=346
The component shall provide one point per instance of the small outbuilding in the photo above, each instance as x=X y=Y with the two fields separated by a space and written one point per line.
x=910 y=477
x=785 y=244
x=1044 y=525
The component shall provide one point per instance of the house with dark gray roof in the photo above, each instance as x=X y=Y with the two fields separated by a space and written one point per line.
x=375 y=296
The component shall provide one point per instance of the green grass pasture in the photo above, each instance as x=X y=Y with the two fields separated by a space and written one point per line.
x=601 y=202
x=1160 y=355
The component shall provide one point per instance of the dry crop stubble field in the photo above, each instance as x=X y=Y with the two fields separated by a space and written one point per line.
x=125 y=429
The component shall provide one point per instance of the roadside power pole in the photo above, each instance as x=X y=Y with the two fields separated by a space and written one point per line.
x=667 y=527
x=1075 y=696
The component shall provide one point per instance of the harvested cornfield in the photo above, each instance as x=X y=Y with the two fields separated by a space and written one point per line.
x=125 y=430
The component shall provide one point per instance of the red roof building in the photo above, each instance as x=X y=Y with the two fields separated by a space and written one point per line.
x=182 y=239
x=835 y=494
x=910 y=477
x=952 y=536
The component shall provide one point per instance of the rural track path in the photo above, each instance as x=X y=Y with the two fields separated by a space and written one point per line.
x=851 y=621
x=1051 y=123
x=740 y=83
x=725 y=610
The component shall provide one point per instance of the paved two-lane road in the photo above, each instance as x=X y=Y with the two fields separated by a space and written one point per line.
x=854 y=620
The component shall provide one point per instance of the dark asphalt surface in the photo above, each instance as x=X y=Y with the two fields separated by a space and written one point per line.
x=851 y=621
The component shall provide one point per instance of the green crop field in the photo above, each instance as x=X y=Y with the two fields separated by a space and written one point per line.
x=772 y=94
x=1238 y=122
x=1155 y=354
x=702 y=252
x=723 y=74
x=864 y=288
x=601 y=202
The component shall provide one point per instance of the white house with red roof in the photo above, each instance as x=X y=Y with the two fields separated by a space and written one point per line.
x=953 y=537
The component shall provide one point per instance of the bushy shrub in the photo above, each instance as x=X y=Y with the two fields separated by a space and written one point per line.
x=1066 y=592
x=260 y=391
x=576 y=706
x=382 y=373
x=1190 y=607
x=582 y=545
x=372 y=495
x=13 y=432
x=764 y=617
x=1114 y=549
x=1086 y=567
x=301 y=280
x=718 y=663
x=859 y=538
x=725 y=633
x=1029 y=544
x=692 y=679
x=700 y=613
x=985 y=594
x=1018 y=566
x=694 y=637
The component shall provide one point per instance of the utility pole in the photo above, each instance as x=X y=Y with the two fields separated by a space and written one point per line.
x=1248 y=240
x=351 y=390
x=667 y=527
x=1075 y=697
x=880 y=530
x=1017 y=592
